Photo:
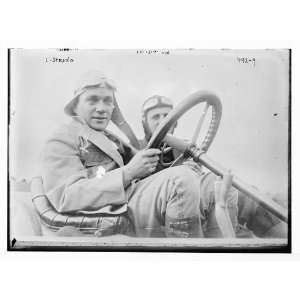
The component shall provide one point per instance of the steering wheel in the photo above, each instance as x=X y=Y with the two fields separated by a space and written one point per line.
x=194 y=99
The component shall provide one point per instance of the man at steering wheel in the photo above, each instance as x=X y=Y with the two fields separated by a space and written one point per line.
x=88 y=170
x=246 y=216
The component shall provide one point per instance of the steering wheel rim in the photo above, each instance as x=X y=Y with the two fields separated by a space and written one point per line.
x=196 y=98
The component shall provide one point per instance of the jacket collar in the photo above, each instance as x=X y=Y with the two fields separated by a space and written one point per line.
x=99 y=139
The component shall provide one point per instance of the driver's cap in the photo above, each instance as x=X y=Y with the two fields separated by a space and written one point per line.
x=156 y=101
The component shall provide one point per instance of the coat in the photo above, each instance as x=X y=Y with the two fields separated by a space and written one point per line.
x=70 y=160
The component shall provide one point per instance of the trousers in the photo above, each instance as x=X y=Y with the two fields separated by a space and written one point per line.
x=166 y=204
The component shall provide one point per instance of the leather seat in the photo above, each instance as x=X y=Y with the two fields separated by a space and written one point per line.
x=99 y=224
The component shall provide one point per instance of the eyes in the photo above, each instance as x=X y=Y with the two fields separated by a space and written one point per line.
x=94 y=99
x=157 y=117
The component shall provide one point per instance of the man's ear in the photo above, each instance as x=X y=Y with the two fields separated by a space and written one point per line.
x=117 y=116
x=75 y=105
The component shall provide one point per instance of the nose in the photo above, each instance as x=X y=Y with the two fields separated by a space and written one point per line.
x=100 y=107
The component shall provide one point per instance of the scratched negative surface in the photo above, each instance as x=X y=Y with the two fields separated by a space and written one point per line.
x=252 y=139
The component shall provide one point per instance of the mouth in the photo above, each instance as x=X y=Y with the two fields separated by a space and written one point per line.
x=99 y=119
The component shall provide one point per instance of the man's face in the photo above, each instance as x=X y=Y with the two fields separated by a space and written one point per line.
x=155 y=116
x=95 y=106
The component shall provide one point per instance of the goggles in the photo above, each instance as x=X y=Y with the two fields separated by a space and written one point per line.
x=156 y=101
x=100 y=82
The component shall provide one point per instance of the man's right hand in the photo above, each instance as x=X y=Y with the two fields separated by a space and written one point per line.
x=142 y=164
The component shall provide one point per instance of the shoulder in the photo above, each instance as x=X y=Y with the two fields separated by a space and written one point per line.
x=69 y=129
x=67 y=133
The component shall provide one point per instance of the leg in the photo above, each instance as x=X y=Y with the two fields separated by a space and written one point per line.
x=225 y=196
x=166 y=204
x=208 y=206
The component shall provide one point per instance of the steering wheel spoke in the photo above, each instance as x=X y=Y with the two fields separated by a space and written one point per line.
x=200 y=123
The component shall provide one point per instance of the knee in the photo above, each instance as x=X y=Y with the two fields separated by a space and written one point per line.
x=184 y=177
x=186 y=185
x=183 y=193
x=179 y=186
